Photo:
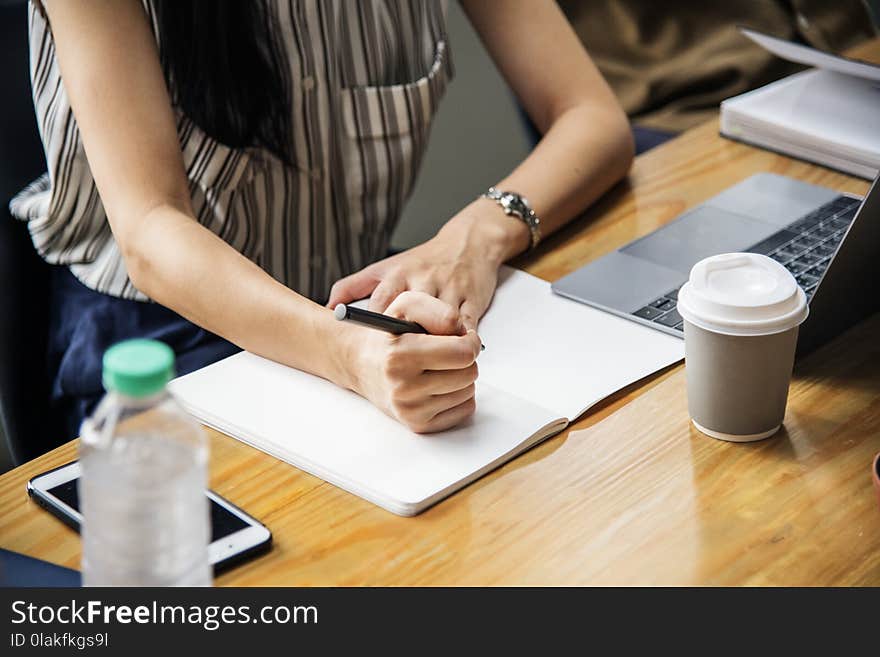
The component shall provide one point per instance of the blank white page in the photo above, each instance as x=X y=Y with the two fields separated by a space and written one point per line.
x=560 y=354
x=342 y=438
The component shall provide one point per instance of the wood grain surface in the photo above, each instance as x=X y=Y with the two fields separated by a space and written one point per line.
x=630 y=494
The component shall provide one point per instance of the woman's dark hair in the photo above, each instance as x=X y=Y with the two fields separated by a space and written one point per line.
x=226 y=70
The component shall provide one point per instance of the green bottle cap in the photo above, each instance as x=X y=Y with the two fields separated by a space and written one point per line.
x=138 y=368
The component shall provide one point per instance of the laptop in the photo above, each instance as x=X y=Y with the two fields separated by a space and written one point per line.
x=829 y=241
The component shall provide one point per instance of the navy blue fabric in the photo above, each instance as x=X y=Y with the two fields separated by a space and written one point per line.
x=84 y=323
x=648 y=138
x=19 y=571
x=24 y=276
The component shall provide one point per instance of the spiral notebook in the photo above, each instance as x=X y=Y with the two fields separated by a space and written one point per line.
x=547 y=360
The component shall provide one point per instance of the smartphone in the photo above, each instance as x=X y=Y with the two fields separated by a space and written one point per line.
x=235 y=536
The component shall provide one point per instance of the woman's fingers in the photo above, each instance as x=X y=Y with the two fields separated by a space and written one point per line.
x=439 y=382
x=351 y=288
x=418 y=353
x=425 y=285
x=436 y=317
x=388 y=289
x=419 y=414
x=470 y=313
x=428 y=376
x=449 y=418
x=445 y=381
x=471 y=297
x=452 y=295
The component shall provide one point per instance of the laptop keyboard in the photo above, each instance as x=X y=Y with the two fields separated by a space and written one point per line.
x=804 y=248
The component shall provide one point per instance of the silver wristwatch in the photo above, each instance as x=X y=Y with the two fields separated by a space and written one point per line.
x=518 y=206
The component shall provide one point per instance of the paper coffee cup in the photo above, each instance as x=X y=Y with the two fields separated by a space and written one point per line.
x=741 y=315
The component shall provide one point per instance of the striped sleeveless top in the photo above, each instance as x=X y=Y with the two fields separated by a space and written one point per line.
x=365 y=80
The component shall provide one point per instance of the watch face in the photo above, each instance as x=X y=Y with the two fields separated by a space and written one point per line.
x=512 y=203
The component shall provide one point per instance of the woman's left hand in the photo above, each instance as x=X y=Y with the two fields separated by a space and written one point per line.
x=459 y=265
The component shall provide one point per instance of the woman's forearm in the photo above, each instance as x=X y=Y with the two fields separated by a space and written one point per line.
x=587 y=144
x=586 y=150
x=182 y=265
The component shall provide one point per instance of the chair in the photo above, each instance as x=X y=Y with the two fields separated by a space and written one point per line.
x=28 y=425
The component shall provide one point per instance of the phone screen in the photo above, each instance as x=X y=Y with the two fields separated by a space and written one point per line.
x=223 y=523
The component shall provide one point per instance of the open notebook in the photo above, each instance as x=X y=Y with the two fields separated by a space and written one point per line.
x=547 y=360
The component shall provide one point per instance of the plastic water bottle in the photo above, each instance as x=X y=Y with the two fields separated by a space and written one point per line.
x=144 y=472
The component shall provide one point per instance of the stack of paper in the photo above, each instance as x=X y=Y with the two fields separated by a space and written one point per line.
x=829 y=115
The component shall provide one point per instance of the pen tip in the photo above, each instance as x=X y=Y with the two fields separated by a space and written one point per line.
x=340 y=311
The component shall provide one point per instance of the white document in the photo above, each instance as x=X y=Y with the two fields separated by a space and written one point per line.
x=547 y=360
x=801 y=54
x=828 y=115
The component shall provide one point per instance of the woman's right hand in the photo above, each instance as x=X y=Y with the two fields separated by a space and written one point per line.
x=424 y=381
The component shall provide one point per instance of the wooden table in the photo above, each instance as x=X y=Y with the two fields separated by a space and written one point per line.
x=630 y=494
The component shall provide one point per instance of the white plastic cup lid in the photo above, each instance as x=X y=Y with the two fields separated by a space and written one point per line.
x=742 y=294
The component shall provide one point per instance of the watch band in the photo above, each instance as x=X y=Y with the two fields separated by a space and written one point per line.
x=516 y=205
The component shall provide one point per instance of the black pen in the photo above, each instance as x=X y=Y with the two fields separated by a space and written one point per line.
x=379 y=321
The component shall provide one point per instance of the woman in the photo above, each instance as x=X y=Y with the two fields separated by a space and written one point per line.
x=241 y=163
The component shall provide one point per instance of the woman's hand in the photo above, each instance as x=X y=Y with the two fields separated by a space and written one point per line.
x=424 y=381
x=458 y=266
